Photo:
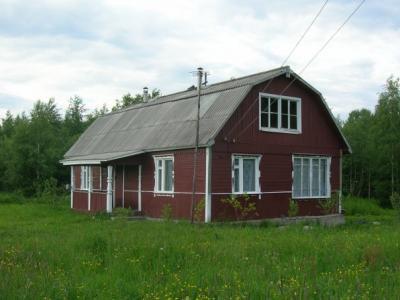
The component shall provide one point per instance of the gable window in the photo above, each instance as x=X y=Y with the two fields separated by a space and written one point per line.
x=164 y=174
x=245 y=174
x=311 y=177
x=84 y=177
x=280 y=113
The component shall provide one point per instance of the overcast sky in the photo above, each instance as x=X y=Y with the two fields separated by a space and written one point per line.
x=101 y=50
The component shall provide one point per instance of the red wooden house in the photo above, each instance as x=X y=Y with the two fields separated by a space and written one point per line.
x=269 y=135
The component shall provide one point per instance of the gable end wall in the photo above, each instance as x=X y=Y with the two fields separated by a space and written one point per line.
x=319 y=136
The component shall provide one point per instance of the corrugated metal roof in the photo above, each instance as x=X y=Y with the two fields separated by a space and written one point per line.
x=168 y=122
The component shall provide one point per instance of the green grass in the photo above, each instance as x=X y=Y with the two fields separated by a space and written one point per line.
x=46 y=251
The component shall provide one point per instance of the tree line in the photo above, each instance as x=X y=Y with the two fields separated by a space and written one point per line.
x=31 y=145
x=373 y=170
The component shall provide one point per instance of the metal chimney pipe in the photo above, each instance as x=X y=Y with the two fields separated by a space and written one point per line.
x=145 y=94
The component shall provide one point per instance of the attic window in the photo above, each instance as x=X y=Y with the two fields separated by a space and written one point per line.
x=279 y=113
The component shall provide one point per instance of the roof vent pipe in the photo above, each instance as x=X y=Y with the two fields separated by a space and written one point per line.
x=145 y=94
x=199 y=77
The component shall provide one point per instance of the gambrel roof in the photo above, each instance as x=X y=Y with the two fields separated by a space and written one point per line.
x=168 y=122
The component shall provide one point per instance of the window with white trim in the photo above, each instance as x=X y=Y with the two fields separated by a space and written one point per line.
x=280 y=113
x=245 y=174
x=311 y=177
x=84 y=177
x=164 y=174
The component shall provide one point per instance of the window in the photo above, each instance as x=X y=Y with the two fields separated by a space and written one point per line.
x=311 y=177
x=103 y=178
x=84 y=177
x=245 y=174
x=280 y=113
x=164 y=174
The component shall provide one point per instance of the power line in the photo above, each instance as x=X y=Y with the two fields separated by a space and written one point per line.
x=312 y=58
x=305 y=32
x=325 y=44
x=284 y=61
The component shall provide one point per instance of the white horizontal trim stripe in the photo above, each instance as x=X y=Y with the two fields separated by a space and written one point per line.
x=99 y=192
x=255 y=193
x=201 y=193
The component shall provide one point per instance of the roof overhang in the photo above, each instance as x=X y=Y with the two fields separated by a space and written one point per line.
x=93 y=160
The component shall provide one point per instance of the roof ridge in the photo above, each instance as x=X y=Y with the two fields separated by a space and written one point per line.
x=155 y=102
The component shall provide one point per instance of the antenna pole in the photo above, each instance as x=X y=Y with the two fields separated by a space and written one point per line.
x=196 y=147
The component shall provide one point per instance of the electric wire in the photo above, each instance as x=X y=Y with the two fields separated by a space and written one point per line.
x=310 y=61
x=284 y=62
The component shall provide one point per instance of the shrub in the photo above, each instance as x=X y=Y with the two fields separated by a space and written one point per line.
x=395 y=200
x=329 y=205
x=166 y=212
x=361 y=206
x=199 y=210
x=12 y=198
x=293 y=208
x=242 y=207
x=49 y=191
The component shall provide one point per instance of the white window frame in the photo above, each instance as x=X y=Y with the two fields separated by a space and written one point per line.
x=280 y=129
x=163 y=158
x=257 y=174
x=328 y=175
x=84 y=178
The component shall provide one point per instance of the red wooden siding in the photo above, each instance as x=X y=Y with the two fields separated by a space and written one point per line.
x=131 y=187
x=183 y=172
x=118 y=186
x=80 y=200
x=319 y=136
x=98 y=201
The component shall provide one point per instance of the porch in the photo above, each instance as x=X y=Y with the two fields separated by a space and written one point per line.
x=97 y=188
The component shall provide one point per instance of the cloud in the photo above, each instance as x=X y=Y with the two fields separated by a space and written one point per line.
x=104 y=49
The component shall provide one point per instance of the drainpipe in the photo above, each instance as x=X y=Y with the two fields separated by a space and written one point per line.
x=207 y=213
x=109 y=188
x=72 y=186
x=90 y=187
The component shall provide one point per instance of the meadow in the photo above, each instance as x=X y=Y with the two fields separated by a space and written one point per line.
x=49 y=252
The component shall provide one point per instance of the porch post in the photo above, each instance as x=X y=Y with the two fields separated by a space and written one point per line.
x=109 y=188
x=207 y=212
x=340 y=180
x=123 y=186
x=113 y=186
x=90 y=188
x=140 y=188
x=72 y=186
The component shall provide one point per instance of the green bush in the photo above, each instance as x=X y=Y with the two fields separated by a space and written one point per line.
x=199 y=210
x=329 y=205
x=166 y=212
x=360 y=206
x=293 y=208
x=395 y=201
x=11 y=198
x=242 y=206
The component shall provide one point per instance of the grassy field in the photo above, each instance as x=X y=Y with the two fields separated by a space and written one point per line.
x=48 y=252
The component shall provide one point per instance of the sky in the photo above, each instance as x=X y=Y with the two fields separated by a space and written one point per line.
x=103 y=49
